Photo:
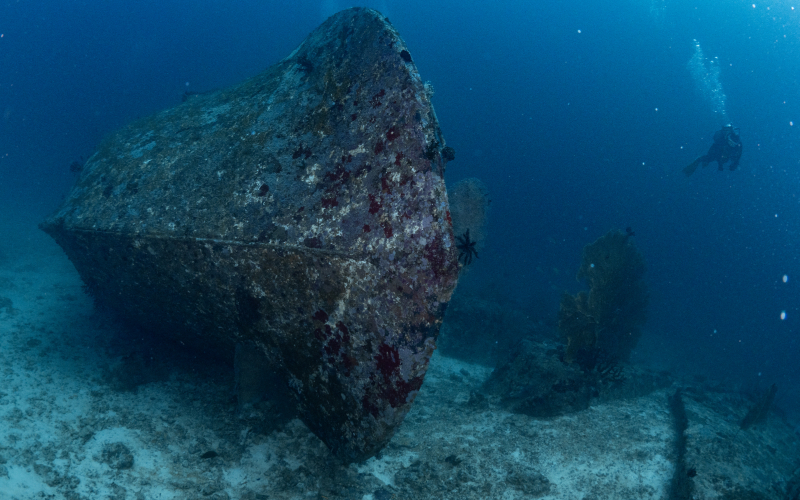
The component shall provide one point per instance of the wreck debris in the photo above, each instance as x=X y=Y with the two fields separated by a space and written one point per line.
x=758 y=412
x=303 y=211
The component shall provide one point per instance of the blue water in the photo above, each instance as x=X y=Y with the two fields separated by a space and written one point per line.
x=579 y=116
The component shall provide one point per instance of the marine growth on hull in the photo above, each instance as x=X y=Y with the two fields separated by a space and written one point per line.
x=302 y=212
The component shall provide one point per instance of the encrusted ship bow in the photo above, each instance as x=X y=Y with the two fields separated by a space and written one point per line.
x=303 y=211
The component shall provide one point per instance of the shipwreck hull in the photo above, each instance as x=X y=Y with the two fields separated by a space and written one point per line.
x=303 y=211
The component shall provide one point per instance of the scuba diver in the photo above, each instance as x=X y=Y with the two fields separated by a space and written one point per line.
x=727 y=146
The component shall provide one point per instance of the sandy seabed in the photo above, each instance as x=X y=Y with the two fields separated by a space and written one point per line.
x=92 y=410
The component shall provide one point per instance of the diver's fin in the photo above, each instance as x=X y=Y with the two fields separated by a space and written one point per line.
x=689 y=169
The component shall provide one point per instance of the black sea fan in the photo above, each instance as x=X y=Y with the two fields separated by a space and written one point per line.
x=610 y=316
x=466 y=248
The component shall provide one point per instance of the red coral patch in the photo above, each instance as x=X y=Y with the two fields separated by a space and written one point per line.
x=390 y=386
x=338 y=175
x=388 y=359
x=329 y=202
x=374 y=205
x=437 y=256
x=392 y=134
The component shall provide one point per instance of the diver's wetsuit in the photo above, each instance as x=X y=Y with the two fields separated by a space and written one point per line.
x=727 y=146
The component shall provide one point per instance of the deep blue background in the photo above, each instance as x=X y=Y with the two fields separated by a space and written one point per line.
x=578 y=115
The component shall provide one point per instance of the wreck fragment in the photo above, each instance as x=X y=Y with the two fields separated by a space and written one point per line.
x=303 y=211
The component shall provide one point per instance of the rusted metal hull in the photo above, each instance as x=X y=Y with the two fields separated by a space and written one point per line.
x=303 y=210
